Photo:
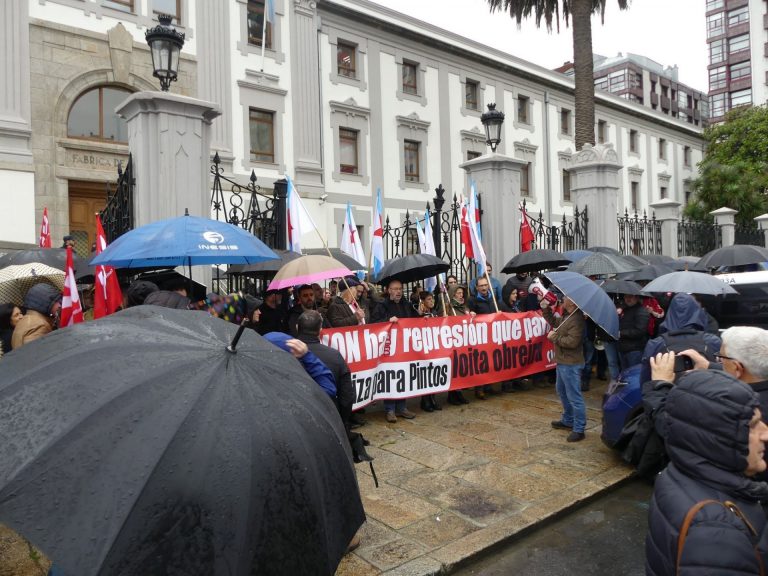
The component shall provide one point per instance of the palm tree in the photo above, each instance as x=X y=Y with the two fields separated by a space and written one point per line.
x=580 y=11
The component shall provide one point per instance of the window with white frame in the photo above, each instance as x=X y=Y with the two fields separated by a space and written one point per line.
x=633 y=141
x=471 y=90
x=738 y=44
x=662 y=149
x=602 y=131
x=634 y=200
x=411 y=160
x=525 y=179
x=171 y=7
x=715 y=4
x=717 y=77
x=346 y=59
x=262 y=125
x=523 y=113
x=687 y=156
x=740 y=70
x=717 y=51
x=410 y=72
x=741 y=98
x=715 y=24
x=121 y=5
x=565 y=121
x=738 y=16
x=348 y=151
x=256 y=24
x=717 y=103
x=566 y=186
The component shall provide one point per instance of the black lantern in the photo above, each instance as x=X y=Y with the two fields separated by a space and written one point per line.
x=492 y=121
x=165 y=43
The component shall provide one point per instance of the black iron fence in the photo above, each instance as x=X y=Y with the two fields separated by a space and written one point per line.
x=568 y=234
x=639 y=235
x=696 y=238
x=749 y=234
x=117 y=216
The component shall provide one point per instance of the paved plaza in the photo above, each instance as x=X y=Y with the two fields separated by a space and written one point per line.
x=455 y=483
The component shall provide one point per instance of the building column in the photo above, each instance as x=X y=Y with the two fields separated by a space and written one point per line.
x=497 y=179
x=762 y=223
x=214 y=72
x=305 y=85
x=169 y=137
x=595 y=185
x=19 y=225
x=725 y=218
x=667 y=211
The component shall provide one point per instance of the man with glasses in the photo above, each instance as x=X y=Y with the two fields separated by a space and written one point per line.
x=495 y=284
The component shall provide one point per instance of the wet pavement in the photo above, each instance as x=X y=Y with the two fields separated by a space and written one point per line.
x=456 y=483
x=606 y=536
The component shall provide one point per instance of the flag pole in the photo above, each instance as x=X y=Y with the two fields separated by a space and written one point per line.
x=264 y=31
x=493 y=295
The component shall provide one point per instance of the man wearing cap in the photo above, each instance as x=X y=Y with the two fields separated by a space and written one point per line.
x=344 y=309
x=42 y=303
x=271 y=314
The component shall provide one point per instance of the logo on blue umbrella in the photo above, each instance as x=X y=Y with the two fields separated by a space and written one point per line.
x=213 y=237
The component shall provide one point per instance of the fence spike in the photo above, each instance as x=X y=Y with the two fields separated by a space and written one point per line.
x=216 y=159
x=253 y=176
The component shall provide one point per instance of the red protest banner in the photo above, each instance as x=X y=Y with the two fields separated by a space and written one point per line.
x=418 y=356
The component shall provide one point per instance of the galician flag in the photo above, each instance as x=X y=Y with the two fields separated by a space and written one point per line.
x=474 y=218
x=377 y=236
x=424 y=247
x=350 y=241
x=45 y=231
x=71 y=310
x=107 y=297
x=299 y=220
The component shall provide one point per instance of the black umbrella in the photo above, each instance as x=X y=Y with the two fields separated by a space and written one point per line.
x=535 y=260
x=658 y=259
x=622 y=287
x=338 y=254
x=411 y=268
x=736 y=255
x=600 y=264
x=266 y=268
x=53 y=257
x=648 y=273
x=604 y=250
x=138 y=444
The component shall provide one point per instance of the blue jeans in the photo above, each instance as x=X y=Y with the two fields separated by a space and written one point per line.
x=612 y=355
x=568 y=387
x=396 y=406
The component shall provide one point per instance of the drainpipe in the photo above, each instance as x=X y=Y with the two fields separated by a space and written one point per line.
x=547 y=162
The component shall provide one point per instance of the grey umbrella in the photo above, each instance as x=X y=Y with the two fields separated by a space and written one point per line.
x=647 y=273
x=601 y=264
x=266 y=268
x=140 y=445
x=735 y=255
x=535 y=260
x=622 y=287
x=338 y=254
x=689 y=282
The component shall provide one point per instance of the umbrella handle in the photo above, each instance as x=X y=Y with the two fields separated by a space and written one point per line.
x=232 y=347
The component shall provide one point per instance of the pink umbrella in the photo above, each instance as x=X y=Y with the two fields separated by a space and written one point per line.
x=308 y=269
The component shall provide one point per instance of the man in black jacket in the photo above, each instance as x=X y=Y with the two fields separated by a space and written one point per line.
x=393 y=307
x=482 y=301
x=308 y=326
x=633 y=330
x=305 y=301
x=715 y=439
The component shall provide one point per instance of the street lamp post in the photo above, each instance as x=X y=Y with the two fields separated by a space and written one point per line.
x=165 y=43
x=492 y=121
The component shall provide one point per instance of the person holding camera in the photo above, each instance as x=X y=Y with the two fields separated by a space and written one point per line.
x=706 y=515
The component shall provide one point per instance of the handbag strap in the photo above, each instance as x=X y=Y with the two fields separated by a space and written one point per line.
x=695 y=509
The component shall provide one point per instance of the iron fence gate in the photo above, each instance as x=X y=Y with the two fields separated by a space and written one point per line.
x=639 y=236
x=567 y=235
x=696 y=238
x=117 y=216
x=749 y=234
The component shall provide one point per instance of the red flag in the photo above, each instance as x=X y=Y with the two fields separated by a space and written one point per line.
x=71 y=310
x=466 y=234
x=45 y=231
x=526 y=233
x=107 y=297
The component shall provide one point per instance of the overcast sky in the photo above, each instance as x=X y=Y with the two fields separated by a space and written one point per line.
x=667 y=31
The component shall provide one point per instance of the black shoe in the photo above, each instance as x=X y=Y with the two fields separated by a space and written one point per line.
x=453 y=399
x=560 y=425
x=356 y=421
x=507 y=387
x=522 y=385
x=434 y=404
x=460 y=398
x=426 y=405
x=575 y=437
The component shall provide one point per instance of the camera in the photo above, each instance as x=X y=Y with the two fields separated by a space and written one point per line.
x=683 y=363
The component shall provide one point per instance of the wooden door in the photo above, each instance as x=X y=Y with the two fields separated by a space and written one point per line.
x=85 y=200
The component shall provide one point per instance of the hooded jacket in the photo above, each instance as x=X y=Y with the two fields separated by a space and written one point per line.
x=684 y=318
x=707 y=438
x=37 y=322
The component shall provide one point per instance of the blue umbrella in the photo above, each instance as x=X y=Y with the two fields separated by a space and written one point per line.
x=589 y=297
x=184 y=241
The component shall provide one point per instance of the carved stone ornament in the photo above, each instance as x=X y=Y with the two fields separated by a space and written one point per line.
x=602 y=153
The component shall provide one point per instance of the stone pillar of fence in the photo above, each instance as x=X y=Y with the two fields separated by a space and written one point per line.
x=667 y=211
x=762 y=223
x=169 y=137
x=497 y=178
x=595 y=183
x=725 y=218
